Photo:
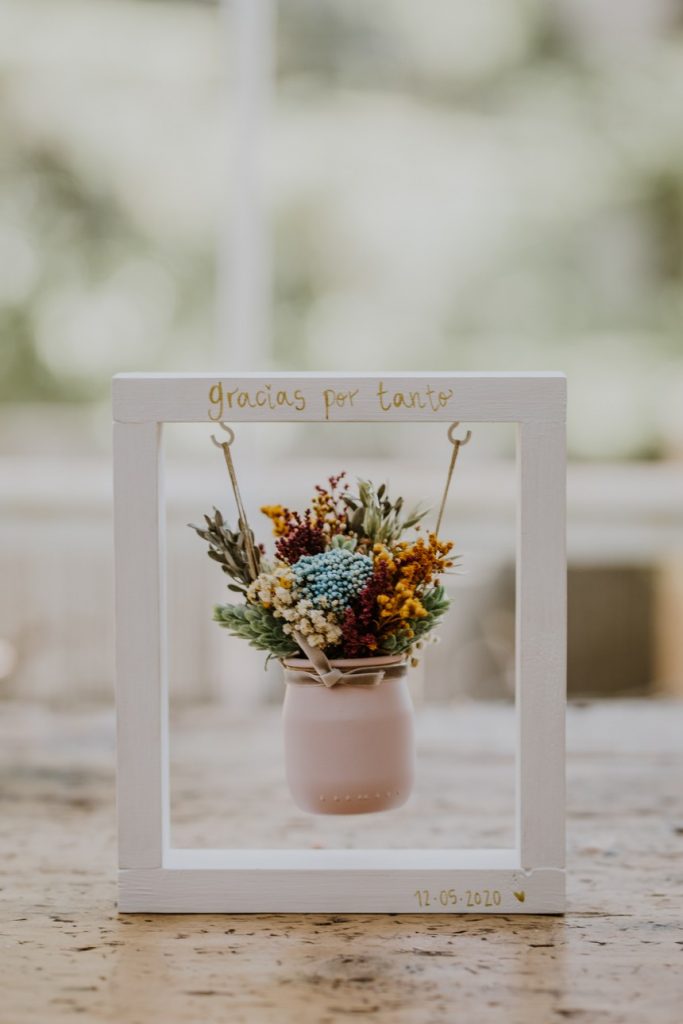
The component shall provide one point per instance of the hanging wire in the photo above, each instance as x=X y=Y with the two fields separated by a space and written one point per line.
x=252 y=561
x=457 y=443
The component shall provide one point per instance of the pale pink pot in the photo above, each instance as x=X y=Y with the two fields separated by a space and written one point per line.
x=349 y=749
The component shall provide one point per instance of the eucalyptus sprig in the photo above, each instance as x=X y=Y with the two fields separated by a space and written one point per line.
x=374 y=517
x=254 y=623
x=229 y=548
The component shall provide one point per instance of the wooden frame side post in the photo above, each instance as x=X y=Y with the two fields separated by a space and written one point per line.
x=541 y=644
x=141 y=688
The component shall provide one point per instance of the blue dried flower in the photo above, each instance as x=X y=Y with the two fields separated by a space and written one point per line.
x=332 y=578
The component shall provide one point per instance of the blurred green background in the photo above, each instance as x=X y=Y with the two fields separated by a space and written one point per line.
x=449 y=185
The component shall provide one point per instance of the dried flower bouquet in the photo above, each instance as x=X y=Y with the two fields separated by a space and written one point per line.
x=344 y=578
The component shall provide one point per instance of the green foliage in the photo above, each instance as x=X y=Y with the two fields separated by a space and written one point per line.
x=341 y=541
x=373 y=517
x=436 y=605
x=258 y=626
x=228 y=548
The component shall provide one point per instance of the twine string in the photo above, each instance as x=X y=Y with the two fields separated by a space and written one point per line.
x=457 y=445
x=325 y=674
x=242 y=515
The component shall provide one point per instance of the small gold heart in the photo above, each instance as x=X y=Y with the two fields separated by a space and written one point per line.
x=521 y=896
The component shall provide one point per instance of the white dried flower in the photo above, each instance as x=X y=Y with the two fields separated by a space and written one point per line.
x=276 y=590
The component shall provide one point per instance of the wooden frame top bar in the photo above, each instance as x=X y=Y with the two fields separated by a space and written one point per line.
x=349 y=397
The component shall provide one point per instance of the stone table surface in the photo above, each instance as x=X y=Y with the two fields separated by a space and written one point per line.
x=617 y=955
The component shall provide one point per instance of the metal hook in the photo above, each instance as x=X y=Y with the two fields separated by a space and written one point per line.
x=456 y=440
x=228 y=430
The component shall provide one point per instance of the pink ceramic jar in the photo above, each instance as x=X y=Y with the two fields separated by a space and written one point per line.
x=349 y=749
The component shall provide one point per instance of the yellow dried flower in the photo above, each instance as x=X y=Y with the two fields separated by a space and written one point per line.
x=411 y=566
x=279 y=516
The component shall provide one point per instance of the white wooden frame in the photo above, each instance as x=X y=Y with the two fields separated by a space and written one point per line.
x=155 y=877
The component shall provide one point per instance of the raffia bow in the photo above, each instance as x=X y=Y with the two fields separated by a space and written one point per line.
x=326 y=675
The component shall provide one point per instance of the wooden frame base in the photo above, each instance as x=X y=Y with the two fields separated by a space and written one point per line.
x=347 y=881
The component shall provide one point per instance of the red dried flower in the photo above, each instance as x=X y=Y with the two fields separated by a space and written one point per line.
x=301 y=538
x=359 y=625
x=327 y=506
